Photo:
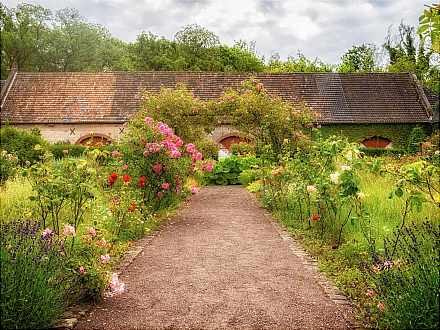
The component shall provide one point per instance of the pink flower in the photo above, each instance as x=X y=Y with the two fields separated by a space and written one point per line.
x=146 y=153
x=148 y=121
x=105 y=258
x=207 y=167
x=175 y=153
x=164 y=129
x=69 y=230
x=125 y=167
x=371 y=293
x=194 y=190
x=190 y=148
x=116 y=286
x=178 y=142
x=82 y=270
x=197 y=156
x=153 y=147
x=157 y=168
x=46 y=233
x=92 y=232
x=160 y=194
x=381 y=306
x=165 y=186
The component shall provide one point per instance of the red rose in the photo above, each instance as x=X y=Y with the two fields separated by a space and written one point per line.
x=315 y=217
x=132 y=207
x=141 y=182
x=112 y=178
x=126 y=178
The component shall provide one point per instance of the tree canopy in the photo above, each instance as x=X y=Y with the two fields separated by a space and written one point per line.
x=34 y=38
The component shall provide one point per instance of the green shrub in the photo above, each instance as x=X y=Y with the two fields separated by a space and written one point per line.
x=8 y=164
x=227 y=170
x=408 y=282
x=61 y=150
x=248 y=176
x=23 y=144
x=32 y=283
x=382 y=152
x=242 y=149
x=208 y=148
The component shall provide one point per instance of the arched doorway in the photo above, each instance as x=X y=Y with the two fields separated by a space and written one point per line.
x=376 y=142
x=94 y=140
x=228 y=141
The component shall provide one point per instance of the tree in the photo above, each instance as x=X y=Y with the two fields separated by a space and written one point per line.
x=359 y=59
x=299 y=64
x=408 y=53
x=430 y=26
x=23 y=30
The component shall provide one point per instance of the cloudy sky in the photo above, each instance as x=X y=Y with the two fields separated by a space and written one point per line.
x=318 y=28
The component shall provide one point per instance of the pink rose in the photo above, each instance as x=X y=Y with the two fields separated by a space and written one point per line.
x=125 y=167
x=92 y=232
x=190 y=148
x=208 y=167
x=194 y=190
x=157 y=168
x=165 y=186
x=160 y=194
x=105 y=258
x=82 y=270
x=197 y=156
x=47 y=233
x=175 y=153
x=69 y=230
x=148 y=121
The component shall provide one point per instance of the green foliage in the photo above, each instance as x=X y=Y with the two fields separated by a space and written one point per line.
x=429 y=26
x=27 y=146
x=61 y=150
x=242 y=149
x=359 y=59
x=408 y=282
x=248 y=176
x=32 y=279
x=383 y=152
x=415 y=139
x=409 y=54
x=227 y=170
x=189 y=117
x=208 y=148
x=396 y=133
x=8 y=163
x=299 y=64
x=275 y=126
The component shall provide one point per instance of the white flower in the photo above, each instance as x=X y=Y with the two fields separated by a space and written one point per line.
x=360 y=195
x=334 y=177
x=311 y=189
x=345 y=167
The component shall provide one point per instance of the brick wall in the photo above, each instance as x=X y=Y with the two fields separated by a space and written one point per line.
x=74 y=132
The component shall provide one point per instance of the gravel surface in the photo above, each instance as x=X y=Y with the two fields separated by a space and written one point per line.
x=218 y=264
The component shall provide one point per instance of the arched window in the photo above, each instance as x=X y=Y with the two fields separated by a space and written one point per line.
x=376 y=142
x=94 y=140
x=228 y=141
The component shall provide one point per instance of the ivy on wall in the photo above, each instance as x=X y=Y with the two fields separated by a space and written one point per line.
x=397 y=133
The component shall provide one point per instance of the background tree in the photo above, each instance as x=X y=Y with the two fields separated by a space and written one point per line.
x=430 y=26
x=359 y=59
x=297 y=64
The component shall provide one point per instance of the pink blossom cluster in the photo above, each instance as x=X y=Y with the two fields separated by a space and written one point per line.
x=164 y=129
x=207 y=167
x=151 y=148
x=192 y=150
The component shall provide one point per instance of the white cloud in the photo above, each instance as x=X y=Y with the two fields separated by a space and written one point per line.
x=320 y=28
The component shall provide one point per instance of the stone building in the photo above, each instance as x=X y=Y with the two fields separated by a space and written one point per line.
x=376 y=109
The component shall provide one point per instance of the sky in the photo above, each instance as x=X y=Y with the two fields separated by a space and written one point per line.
x=318 y=28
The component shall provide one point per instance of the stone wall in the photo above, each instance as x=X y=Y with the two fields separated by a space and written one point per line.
x=73 y=133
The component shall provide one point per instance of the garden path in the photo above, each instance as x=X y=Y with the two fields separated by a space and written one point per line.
x=220 y=263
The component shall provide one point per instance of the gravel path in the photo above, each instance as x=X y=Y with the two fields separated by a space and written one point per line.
x=219 y=264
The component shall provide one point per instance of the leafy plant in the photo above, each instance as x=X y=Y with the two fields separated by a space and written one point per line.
x=32 y=276
x=227 y=170
x=8 y=163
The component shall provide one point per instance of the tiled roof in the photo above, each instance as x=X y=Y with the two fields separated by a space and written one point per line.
x=113 y=97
